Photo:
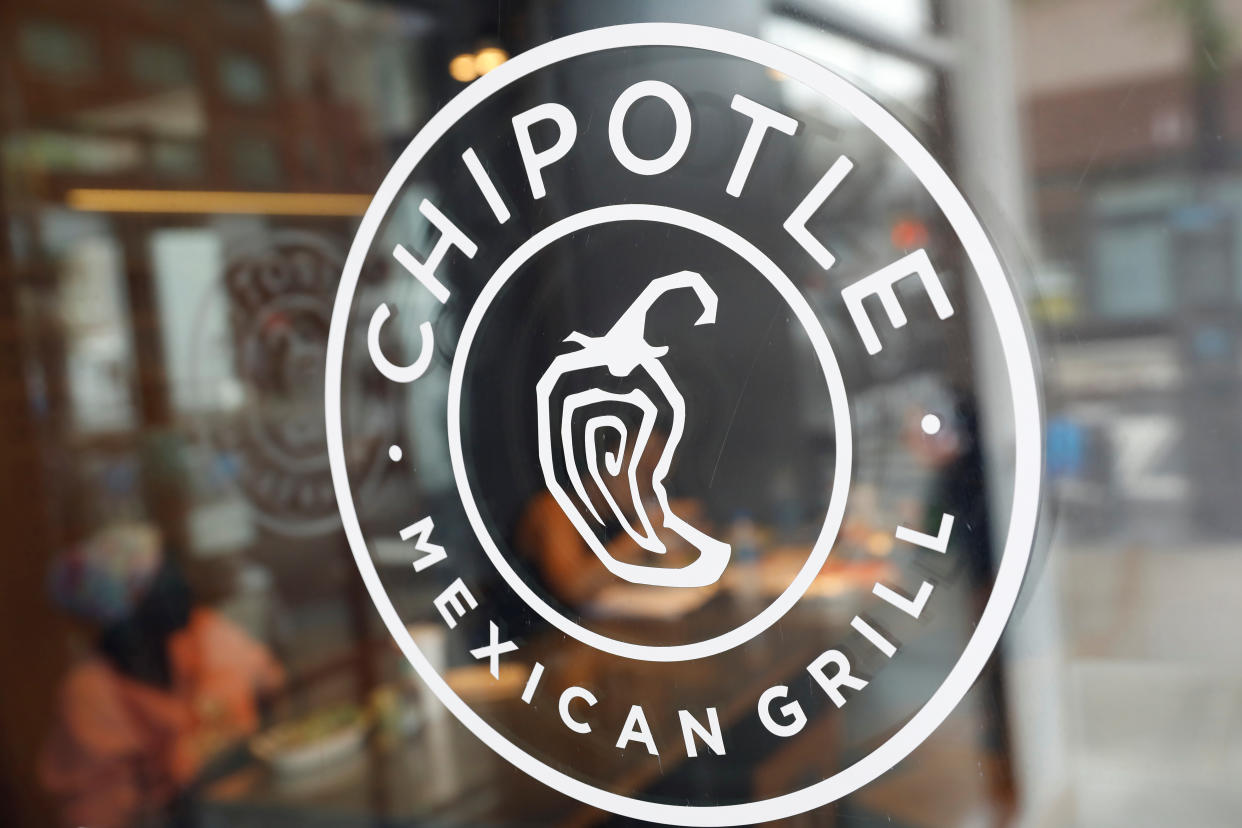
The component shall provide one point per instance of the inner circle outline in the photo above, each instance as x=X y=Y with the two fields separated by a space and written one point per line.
x=1019 y=361
x=753 y=256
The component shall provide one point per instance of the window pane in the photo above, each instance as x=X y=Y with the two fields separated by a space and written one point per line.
x=56 y=50
x=243 y=79
x=1132 y=272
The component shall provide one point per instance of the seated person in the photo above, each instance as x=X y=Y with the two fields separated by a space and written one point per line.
x=166 y=685
x=564 y=562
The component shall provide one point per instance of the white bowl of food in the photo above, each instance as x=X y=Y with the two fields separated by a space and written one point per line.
x=314 y=742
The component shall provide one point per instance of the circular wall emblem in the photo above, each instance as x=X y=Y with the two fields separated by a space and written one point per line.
x=260 y=409
x=631 y=287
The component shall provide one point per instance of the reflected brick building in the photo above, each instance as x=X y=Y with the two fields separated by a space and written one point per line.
x=187 y=93
x=1133 y=115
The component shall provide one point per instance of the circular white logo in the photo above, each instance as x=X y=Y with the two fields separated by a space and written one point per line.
x=648 y=369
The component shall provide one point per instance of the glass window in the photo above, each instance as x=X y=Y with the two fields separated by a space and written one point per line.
x=900 y=17
x=177 y=159
x=56 y=50
x=186 y=263
x=900 y=82
x=1132 y=271
x=92 y=303
x=181 y=183
x=159 y=64
x=255 y=162
x=243 y=79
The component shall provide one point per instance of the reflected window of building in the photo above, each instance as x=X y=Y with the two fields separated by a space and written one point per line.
x=243 y=79
x=75 y=153
x=255 y=162
x=186 y=263
x=177 y=160
x=899 y=17
x=900 y=82
x=1131 y=268
x=156 y=64
x=56 y=50
x=93 y=312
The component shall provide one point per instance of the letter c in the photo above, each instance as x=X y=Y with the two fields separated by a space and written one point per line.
x=570 y=694
x=394 y=372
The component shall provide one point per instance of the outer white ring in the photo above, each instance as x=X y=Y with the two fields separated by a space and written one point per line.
x=1018 y=360
x=836 y=392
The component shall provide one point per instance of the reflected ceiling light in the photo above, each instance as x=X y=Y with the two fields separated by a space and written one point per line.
x=488 y=58
x=462 y=68
x=217 y=201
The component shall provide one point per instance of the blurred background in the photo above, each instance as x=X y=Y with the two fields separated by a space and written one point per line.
x=181 y=180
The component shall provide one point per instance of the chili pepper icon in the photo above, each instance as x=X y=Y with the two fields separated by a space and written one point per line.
x=623 y=350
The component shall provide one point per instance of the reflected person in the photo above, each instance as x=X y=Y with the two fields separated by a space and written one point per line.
x=166 y=686
x=564 y=563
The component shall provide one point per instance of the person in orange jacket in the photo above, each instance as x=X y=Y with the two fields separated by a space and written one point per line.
x=166 y=686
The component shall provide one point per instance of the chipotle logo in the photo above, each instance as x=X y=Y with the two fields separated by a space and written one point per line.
x=612 y=317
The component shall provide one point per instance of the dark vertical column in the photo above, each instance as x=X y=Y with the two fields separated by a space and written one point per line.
x=32 y=634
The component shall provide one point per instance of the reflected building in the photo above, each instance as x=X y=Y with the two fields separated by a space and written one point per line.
x=1132 y=136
